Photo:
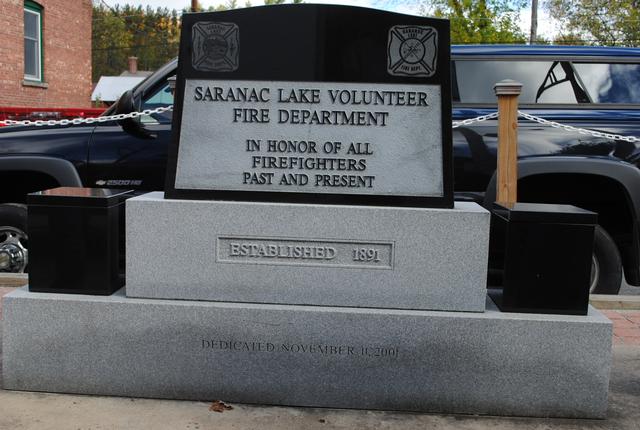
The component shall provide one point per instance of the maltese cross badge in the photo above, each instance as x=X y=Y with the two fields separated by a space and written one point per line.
x=412 y=51
x=216 y=46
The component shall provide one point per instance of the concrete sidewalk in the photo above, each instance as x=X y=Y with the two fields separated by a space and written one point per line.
x=25 y=410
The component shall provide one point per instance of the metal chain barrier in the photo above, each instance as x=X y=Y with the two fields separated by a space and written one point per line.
x=454 y=124
x=76 y=121
x=569 y=128
x=572 y=129
x=465 y=122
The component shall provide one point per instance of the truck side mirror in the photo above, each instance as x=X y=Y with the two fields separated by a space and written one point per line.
x=127 y=104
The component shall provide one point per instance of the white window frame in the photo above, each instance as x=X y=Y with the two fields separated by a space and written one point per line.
x=38 y=44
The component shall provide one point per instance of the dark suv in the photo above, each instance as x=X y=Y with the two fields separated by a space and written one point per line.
x=585 y=87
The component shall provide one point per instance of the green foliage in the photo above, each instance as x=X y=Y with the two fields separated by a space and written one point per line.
x=568 y=39
x=600 y=22
x=230 y=4
x=479 y=21
x=109 y=36
x=120 y=32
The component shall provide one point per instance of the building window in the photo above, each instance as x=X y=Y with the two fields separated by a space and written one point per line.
x=32 y=41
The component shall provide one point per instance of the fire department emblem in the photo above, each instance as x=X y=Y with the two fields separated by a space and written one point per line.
x=413 y=51
x=216 y=46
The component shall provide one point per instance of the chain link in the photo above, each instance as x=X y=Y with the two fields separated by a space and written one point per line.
x=553 y=124
x=76 y=121
x=455 y=124
x=572 y=129
x=465 y=122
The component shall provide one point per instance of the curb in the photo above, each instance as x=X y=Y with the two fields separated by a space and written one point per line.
x=609 y=301
x=13 y=279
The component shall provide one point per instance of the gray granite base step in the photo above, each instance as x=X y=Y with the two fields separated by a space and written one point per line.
x=383 y=257
x=448 y=362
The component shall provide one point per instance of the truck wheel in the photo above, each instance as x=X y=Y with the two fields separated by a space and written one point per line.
x=14 y=255
x=606 y=268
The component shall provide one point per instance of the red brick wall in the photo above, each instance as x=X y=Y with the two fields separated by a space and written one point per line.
x=66 y=36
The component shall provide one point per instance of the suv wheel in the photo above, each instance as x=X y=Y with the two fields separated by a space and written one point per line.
x=606 y=268
x=14 y=254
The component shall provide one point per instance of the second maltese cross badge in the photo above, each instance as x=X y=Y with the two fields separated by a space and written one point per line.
x=412 y=51
x=216 y=46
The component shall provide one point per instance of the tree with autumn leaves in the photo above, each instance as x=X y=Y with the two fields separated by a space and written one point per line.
x=597 y=22
x=479 y=21
x=152 y=35
x=580 y=22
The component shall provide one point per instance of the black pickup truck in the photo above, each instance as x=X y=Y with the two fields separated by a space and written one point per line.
x=595 y=88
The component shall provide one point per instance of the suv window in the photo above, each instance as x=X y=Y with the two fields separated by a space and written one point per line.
x=610 y=83
x=162 y=97
x=542 y=81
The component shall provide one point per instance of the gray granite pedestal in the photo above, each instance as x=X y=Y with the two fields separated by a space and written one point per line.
x=450 y=362
x=383 y=257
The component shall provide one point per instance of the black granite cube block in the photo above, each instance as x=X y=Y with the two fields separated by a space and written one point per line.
x=76 y=240
x=545 y=253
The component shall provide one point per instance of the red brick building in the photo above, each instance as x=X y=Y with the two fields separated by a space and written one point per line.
x=45 y=53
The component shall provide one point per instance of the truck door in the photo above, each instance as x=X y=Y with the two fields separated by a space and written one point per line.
x=118 y=159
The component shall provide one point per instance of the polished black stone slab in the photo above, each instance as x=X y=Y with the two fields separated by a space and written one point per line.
x=76 y=240
x=537 y=212
x=75 y=196
x=314 y=43
x=544 y=252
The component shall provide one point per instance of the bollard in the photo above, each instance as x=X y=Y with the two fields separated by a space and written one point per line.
x=507 y=92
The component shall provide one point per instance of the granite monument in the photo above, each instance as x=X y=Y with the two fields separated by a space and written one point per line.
x=307 y=250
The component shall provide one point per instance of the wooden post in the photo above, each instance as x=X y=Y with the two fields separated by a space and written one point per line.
x=194 y=5
x=507 y=92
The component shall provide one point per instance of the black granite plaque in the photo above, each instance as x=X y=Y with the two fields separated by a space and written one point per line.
x=313 y=104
